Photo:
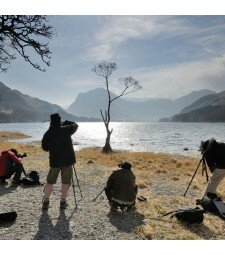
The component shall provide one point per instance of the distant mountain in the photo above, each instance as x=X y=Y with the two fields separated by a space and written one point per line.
x=89 y=104
x=210 y=108
x=17 y=107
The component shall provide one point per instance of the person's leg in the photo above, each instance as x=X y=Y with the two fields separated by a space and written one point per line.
x=65 y=188
x=215 y=179
x=51 y=179
x=114 y=206
x=17 y=169
x=66 y=176
x=48 y=190
x=131 y=207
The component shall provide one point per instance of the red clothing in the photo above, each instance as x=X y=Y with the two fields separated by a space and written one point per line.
x=4 y=155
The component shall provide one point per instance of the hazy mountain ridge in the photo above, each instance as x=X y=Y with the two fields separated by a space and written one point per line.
x=210 y=108
x=18 y=107
x=89 y=104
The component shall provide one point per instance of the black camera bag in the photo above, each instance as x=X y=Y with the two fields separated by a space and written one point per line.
x=31 y=179
x=189 y=215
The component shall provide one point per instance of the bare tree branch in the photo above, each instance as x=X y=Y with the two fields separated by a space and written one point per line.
x=21 y=34
x=104 y=69
x=131 y=86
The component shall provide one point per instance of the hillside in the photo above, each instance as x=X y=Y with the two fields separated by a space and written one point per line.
x=89 y=104
x=17 y=107
x=210 y=108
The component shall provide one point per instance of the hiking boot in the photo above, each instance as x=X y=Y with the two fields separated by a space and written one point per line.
x=45 y=205
x=15 y=183
x=131 y=208
x=63 y=204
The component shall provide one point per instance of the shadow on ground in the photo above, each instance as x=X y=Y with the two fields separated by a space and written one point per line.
x=126 y=221
x=5 y=189
x=48 y=231
x=199 y=229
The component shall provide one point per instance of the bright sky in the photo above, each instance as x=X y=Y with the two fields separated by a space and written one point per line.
x=170 y=56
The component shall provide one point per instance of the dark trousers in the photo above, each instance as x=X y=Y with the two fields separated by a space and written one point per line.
x=108 y=192
x=15 y=170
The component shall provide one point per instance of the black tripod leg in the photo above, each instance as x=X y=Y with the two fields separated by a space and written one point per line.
x=192 y=178
x=74 y=194
x=77 y=180
x=98 y=195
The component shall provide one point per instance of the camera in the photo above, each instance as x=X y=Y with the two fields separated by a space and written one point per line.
x=24 y=155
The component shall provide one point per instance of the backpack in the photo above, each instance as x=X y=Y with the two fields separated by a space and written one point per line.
x=31 y=178
x=189 y=215
x=8 y=217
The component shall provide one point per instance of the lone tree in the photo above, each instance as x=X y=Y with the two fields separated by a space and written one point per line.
x=130 y=85
x=20 y=34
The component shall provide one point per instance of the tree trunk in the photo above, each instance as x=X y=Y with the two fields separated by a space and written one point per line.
x=107 y=148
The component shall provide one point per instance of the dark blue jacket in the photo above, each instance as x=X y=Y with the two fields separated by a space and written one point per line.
x=57 y=140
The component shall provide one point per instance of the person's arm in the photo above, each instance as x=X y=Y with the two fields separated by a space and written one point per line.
x=14 y=158
x=70 y=127
x=44 y=142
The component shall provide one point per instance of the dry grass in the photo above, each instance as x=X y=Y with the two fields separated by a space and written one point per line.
x=174 y=173
x=162 y=179
x=4 y=135
x=6 y=144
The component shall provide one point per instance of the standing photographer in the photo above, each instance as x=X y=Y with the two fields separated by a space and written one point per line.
x=10 y=164
x=57 y=140
x=214 y=153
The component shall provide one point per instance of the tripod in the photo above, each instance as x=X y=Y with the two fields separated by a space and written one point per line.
x=193 y=177
x=73 y=185
x=98 y=195
x=204 y=168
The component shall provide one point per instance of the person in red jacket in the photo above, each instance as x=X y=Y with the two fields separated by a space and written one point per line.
x=10 y=164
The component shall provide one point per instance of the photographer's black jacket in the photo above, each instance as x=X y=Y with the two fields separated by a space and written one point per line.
x=122 y=184
x=57 y=140
x=215 y=156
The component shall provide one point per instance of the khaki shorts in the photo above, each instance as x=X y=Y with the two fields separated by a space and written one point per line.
x=66 y=174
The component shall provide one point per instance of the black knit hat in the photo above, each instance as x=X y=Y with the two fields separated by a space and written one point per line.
x=55 y=118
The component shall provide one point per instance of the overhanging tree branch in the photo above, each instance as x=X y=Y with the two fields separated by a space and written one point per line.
x=24 y=34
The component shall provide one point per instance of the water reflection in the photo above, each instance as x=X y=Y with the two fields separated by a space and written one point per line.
x=134 y=136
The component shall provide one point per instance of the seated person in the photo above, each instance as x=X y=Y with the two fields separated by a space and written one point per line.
x=214 y=154
x=121 y=188
x=10 y=164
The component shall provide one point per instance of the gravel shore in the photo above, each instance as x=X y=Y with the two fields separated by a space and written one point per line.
x=92 y=220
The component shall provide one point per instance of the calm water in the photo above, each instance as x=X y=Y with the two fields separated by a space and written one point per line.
x=152 y=136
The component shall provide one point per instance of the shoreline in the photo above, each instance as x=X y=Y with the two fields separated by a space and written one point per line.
x=15 y=137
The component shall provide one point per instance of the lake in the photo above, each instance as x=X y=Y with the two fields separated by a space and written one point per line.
x=132 y=136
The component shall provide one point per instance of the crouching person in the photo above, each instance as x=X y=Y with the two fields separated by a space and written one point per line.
x=57 y=141
x=10 y=164
x=121 y=188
